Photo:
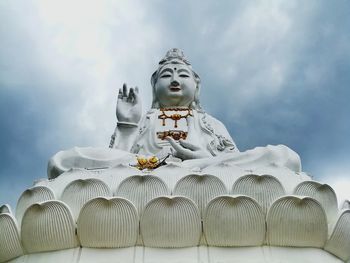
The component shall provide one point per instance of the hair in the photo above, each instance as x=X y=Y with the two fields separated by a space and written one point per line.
x=195 y=103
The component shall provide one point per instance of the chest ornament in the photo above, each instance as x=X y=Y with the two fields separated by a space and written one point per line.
x=180 y=113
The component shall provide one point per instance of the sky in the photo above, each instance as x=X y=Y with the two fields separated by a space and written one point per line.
x=274 y=72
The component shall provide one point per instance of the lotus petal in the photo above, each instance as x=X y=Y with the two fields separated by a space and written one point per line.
x=346 y=204
x=339 y=242
x=10 y=242
x=114 y=176
x=296 y=221
x=48 y=226
x=31 y=196
x=323 y=193
x=265 y=189
x=108 y=223
x=171 y=222
x=226 y=172
x=141 y=189
x=170 y=174
x=234 y=221
x=78 y=192
x=200 y=188
x=5 y=209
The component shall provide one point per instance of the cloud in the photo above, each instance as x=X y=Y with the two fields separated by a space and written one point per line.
x=81 y=57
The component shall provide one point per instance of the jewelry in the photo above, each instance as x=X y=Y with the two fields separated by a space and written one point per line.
x=127 y=124
x=149 y=163
x=176 y=116
x=176 y=135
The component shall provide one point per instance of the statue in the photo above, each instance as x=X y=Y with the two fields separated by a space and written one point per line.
x=175 y=126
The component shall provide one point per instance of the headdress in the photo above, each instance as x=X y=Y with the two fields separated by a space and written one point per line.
x=174 y=54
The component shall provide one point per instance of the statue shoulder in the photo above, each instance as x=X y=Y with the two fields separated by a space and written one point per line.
x=212 y=123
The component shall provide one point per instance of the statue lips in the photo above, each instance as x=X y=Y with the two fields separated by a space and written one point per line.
x=174 y=88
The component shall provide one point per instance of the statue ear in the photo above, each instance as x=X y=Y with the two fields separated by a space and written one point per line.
x=154 y=78
x=196 y=94
x=155 y=103
x=196 y=97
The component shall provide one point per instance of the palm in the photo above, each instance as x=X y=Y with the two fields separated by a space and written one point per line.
x=128 y=105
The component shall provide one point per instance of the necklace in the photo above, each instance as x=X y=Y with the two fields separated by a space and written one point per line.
x=175 y=116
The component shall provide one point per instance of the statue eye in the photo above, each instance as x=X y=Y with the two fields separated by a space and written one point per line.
x=184 y=76
x=165 y=76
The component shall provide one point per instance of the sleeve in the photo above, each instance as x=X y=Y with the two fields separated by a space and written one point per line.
x=224 y=141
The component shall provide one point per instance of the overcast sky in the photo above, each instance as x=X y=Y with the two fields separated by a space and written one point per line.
x=274 y=72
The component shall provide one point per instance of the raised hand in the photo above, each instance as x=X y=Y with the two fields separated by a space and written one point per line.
x=129 y=107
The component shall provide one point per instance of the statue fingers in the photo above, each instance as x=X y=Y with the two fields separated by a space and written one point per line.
x=173 y=143
x=181 y=155
x=178 y=148
x=120 y=94
x=125 y=91
x=175 y=153
x=189 y=145
x=131 y=95
x=136 y=95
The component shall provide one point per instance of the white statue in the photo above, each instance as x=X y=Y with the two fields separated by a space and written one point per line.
x=175 y=125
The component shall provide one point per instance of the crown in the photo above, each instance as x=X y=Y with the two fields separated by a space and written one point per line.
x=174 y=54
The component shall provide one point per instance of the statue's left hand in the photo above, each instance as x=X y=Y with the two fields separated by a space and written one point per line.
x=185 y=150
x=129 y=105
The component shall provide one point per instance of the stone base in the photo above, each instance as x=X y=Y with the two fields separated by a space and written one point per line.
x=201 y=254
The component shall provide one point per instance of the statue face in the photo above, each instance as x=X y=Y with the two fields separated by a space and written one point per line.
x=175 y=86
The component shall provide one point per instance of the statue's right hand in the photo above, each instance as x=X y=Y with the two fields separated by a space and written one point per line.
x=129 y=107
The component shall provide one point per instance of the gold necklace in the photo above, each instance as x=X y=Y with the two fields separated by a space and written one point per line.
x=176 y=116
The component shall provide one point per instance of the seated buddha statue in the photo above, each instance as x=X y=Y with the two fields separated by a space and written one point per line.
x=176 y=126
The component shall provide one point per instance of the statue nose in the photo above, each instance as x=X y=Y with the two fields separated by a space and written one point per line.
x=175 y=83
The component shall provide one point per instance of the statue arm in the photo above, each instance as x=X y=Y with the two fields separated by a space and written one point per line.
x=128 y=114
x=124 y=136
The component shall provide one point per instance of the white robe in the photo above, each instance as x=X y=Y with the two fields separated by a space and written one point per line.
x=204 y=130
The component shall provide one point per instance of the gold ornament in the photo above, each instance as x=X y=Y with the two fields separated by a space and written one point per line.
x=176 y=135
x=176 y=116
x=148 y=163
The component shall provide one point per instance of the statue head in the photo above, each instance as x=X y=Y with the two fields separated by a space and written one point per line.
x=174 y=83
